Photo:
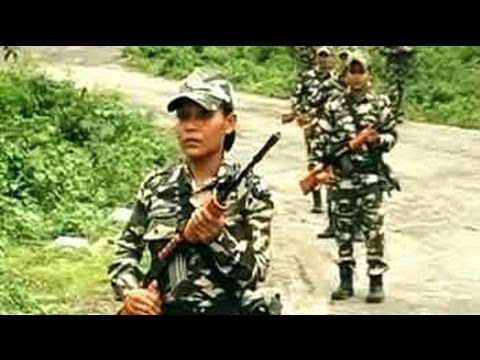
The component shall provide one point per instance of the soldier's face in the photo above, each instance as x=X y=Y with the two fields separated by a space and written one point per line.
x=201 y=133
x=325 y=61
x=357 y=77
x=343 y=58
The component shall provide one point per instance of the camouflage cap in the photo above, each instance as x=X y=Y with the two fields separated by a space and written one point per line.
x=344 y=53
x=207 y=87
x=324 y=50
x=359 y=58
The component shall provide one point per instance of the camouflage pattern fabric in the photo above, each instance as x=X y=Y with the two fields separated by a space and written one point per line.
x=199 y=278
x=399 y=63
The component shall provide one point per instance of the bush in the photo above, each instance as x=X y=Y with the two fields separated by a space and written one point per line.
x=68 y=155
x=445 y=87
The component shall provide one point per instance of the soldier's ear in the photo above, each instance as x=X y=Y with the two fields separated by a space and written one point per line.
x=231 y=123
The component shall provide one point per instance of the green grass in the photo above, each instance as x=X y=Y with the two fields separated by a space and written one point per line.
x=38 y=280
x=444 y=89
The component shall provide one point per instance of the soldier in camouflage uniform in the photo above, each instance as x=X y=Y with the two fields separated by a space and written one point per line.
x=398 y=64
x=218 y=271
x=306 y=74
x=316 y=86
x=324 y=87
x=357 y=189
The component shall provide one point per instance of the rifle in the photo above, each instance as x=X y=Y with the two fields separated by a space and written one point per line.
x=217 y=206
x=338 y=158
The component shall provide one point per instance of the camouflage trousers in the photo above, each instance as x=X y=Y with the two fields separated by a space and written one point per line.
x=330 y=207
x=395 y=91
x=358 y=211
x=310 y=146
x=316 y=193
x=396 y=78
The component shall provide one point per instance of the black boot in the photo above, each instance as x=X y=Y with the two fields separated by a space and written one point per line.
x=375 y=294
x=317 y=202
x=327 y=233
x=345 y=290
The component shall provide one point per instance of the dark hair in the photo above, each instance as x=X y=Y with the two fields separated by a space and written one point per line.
x=227 y=108
x=357 y=62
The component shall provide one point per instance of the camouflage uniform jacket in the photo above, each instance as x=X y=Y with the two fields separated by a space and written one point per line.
x=337 y=126
x=313 y=90
x=240 y=254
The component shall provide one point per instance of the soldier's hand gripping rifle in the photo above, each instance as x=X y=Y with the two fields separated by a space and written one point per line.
x=216 y=206
x=288 y=118
x=336 y=158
